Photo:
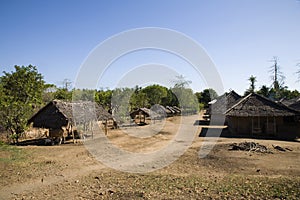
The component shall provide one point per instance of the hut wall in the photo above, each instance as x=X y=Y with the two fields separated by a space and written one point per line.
x=242 y=125
x=281 y=127
x=217 y=119
x=110 y=123
x=290 y=131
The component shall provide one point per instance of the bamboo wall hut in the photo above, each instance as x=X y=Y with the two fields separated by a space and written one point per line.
x=140 y=115
x=255 y=115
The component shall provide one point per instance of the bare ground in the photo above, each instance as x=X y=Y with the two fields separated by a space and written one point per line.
x=69 y=171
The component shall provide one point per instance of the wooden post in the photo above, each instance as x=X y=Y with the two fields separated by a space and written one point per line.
x=238 y=125
x=105 y=127
x=92 y=130
x=267 y=125
x=252 y=126
x=72 y=131
x=140 y=117
x=274 y=125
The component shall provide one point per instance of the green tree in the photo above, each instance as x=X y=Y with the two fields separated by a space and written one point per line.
x=206 y=96
x=251 y=89
x=103 y=97
x=83 y=95
x=120 y=103
x=63 y=93
x=138 y=99
x=22 y=92
x=48 y=94
x=187 y=100
x=252 y=80
x=170 y=99
x=155 y=94
x=264 y=91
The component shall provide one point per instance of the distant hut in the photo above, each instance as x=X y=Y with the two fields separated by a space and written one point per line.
x=173 y=110
x=255 y=115
x=162 y=111
x=139 y=116
x=177 y=109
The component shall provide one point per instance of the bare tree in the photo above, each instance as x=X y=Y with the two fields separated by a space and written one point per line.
x=277 y=76
x=181 y=82
x=66 y=83
x=298 y=72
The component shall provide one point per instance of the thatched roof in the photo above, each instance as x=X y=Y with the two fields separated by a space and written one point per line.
x=223 y=102
x=173 y=110
x=256 y=105
x=177 y=109
x=295 y=106
x=88 y=110
x=289 y=102
x=161 y=110
x=59 y=113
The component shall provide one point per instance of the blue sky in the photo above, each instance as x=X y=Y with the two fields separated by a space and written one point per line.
x=240 y=36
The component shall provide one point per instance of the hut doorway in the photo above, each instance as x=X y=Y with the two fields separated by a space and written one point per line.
x=256 y=128
x=270 y=126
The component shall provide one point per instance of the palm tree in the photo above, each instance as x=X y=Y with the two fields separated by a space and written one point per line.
x=252 y=80
x=251 y=89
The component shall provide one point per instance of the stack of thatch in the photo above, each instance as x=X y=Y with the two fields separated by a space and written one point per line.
x=249 y=146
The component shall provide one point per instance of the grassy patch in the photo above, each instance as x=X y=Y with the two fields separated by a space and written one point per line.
x=252 y=187
x=10 y=153
x=156 y=186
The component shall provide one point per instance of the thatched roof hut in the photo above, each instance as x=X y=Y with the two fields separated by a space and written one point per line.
x=255 y=115
x=223 y=102
x=256 y=105
x=162 y=111
x=58 y=113
x=141 y=111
